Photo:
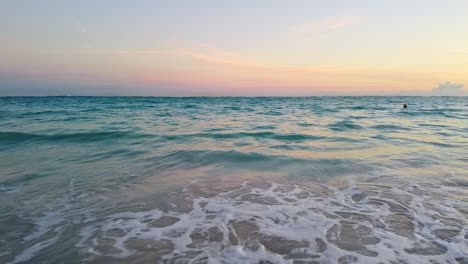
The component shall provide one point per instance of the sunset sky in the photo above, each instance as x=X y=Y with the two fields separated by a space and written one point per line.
x=216 y=48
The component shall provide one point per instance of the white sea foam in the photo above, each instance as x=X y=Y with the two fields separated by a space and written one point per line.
x=44 y=224
x=7 y=190
x=283 y=223
x=47 y=232
x=30 y=252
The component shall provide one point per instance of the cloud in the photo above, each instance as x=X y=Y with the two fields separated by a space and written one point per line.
x=448 y=88
x=341 y=22
x=217 y=56
x=131 y=51
x=214 y=55
x=327 y=24
x=124 y=52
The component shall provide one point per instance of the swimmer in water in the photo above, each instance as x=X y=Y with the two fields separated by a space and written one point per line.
x=405 y=105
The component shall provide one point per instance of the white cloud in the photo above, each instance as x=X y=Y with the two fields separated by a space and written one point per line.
x=448 y=88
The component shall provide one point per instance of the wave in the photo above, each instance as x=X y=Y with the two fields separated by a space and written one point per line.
x=18 y=180
x=433 y=112
x=191 y=106
x=44 y=113
x=256 y=135
x=272 y=113
x=234 y=108
x=201 y=158
x=344 y=125
x=408 y=141
x=306 y=124
x=357 y=107
x=16 y=137
x=265 y=127
x=390 y=127
x=260 y=162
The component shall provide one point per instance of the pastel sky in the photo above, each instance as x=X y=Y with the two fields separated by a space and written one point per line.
x=220 y=47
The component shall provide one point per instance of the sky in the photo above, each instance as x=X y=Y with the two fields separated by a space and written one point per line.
x=233 y=48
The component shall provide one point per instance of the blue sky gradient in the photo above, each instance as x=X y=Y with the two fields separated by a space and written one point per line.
x=148 y=47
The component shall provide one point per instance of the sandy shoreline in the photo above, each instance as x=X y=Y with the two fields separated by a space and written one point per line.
x=237 y=221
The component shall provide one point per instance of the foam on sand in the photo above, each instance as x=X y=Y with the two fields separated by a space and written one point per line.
x=288 y=223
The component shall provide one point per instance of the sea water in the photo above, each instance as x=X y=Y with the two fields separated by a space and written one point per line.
x=233 y=180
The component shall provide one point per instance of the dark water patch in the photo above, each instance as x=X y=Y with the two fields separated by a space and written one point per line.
x=358 y=117
x=191 y=106
x=234 y=108
x=343 y=139
x=429 y=112
x=306 y=124
x=256 y=135
x=216 y=129
x=344 y=125
x=321 y=110
x=241 y=144
x=381 y=137
x=456 y=116
x=407 y=113
x=163 y=114
x=445 y=134
x=291 y=147
x=13 y=137
x=296 y=137
x=390 y=127
x=123 y=153
x=265 y=127
x=433 y=125
x=201 y=158
x=272 y=113
x=18 y=137
x=414 y=142
x=284 y=147
x=439 y=144
x=432 y=143
x=45 y=113
x=416 y=163
x=22 y=178
x=92 y=110
x=247 y=109
x=70 y=118
x=357 y=107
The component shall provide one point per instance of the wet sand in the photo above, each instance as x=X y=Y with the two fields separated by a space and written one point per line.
x=373 y=220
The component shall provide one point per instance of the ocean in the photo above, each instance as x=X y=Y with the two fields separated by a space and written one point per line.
x=233 y=180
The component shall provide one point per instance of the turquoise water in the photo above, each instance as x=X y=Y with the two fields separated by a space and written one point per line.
x=73 y=167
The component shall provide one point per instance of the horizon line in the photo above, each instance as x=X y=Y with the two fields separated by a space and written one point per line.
x=230 y=96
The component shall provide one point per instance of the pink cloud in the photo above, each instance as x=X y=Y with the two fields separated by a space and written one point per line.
x=224 y=58
x=129 y=51
x=326 y=25
x=342 y=22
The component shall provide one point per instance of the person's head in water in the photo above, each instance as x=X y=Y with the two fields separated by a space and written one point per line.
x=405 y=105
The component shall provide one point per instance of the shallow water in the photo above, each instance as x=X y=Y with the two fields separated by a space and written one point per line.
x=234 y=180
